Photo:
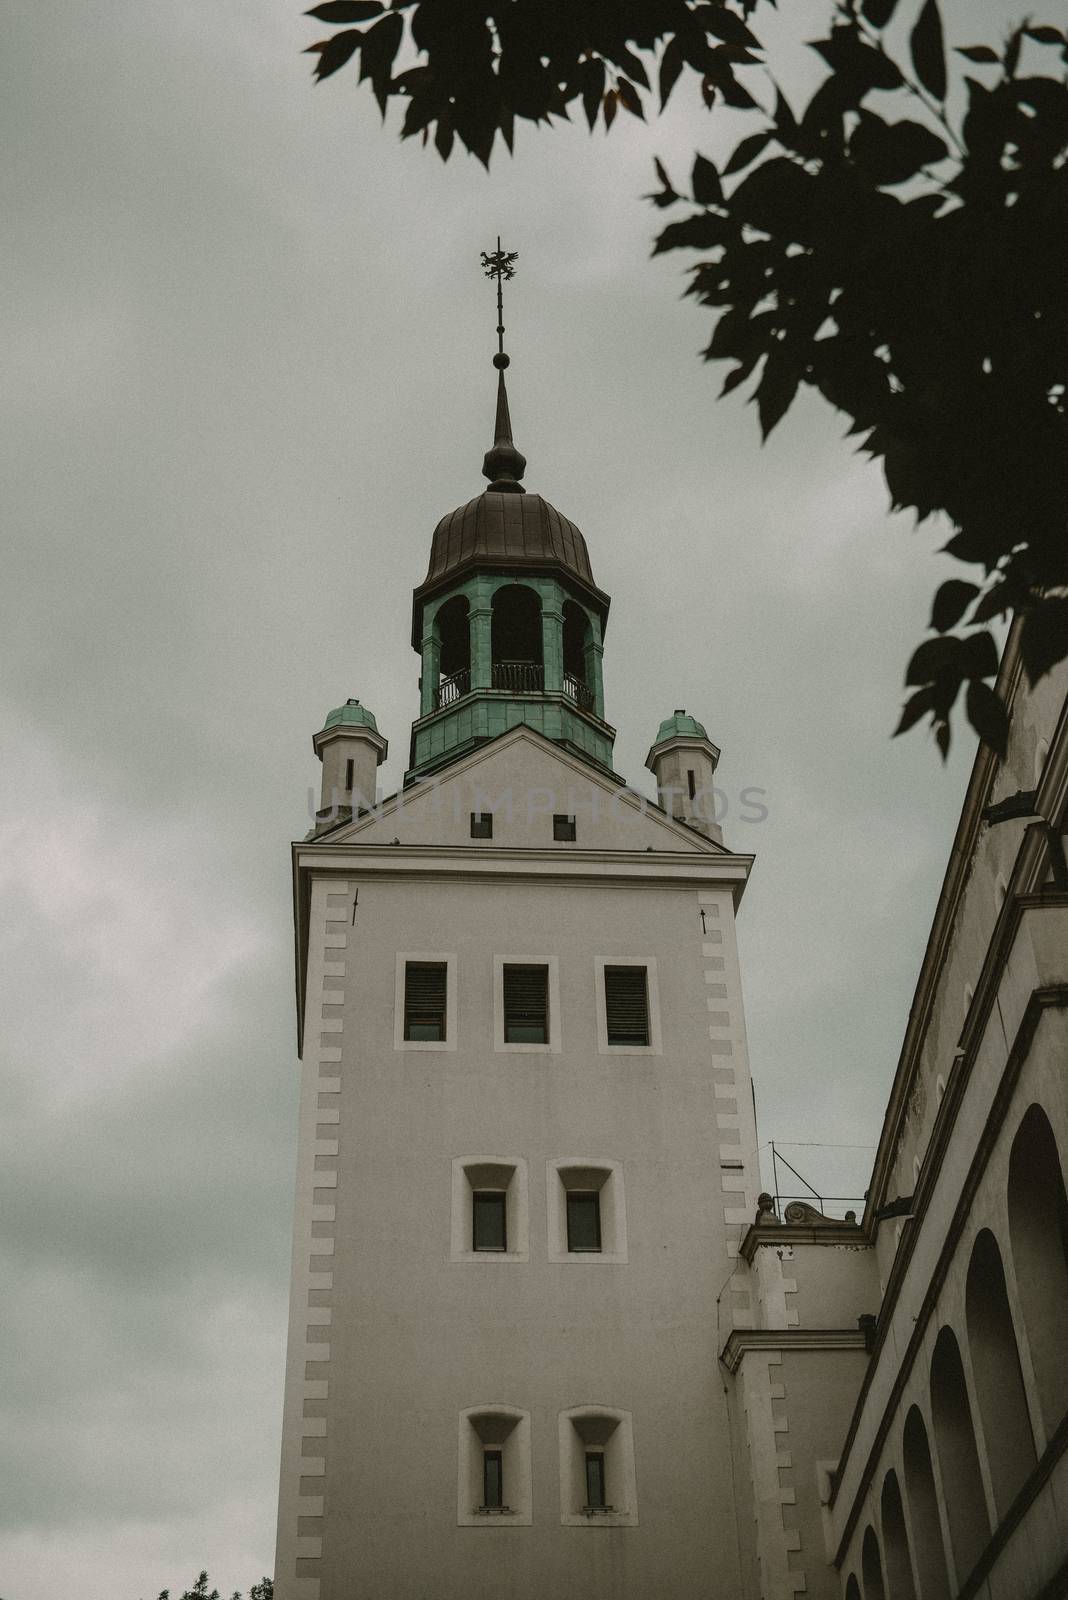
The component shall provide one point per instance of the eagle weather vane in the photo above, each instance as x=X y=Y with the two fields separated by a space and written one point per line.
x=500 y=264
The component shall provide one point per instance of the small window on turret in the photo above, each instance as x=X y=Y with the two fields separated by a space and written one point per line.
x=482 y=824
x=691 y=783
x=564 y=829
x=350 y=773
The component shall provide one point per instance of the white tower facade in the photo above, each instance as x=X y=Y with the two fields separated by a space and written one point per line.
x=527 y=1139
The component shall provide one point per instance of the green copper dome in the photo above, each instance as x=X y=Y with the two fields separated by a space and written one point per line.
x=351 y=714
x=680 y=725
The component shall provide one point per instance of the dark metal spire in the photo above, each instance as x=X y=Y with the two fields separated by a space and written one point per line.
x=504 y=465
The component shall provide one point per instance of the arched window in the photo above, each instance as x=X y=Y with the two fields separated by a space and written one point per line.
x=454 y=638
x=958 y=1458
x=923 y=1509
x=576 y=638
x=1038 y=1231
x=999 y=1385
x=896 y=1542
x=872 y=1567
x=852 y=1589
x=515 y=639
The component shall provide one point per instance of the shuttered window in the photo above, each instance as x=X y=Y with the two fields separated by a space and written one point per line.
x=526 y=1005
x=583 y=1221
x=489 y=1212
x=626 y=1005
x=425 y=988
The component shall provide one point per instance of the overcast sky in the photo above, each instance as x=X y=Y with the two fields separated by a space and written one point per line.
x=247 y=345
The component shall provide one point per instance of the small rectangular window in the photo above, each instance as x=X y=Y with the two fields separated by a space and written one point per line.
x=492 y=1481
x=595 y=1486
x=691 y=783
x=489 y=1224
x=583 y=1221
x=425 y=988
x=626 y=1004
x=350 y=773
x=526 y=1005
x=482 y=824
x=564 y=829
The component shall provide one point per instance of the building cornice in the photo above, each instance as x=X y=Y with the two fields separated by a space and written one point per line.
x=833 y=1231
x=742 y=1340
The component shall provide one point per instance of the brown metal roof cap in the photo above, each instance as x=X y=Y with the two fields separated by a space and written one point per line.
x=500 y=529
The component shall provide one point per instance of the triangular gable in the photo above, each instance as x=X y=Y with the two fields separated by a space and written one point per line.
x=524 y=780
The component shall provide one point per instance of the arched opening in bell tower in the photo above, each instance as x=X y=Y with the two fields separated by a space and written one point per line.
x=454 y=640
x=515 y=640
x=577 y=638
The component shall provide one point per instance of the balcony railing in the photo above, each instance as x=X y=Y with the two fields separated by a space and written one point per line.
x=578 y=691
x=516 y=677
x=521 y=677
x=454 y=688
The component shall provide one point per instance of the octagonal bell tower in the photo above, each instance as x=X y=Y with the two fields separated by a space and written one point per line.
x=508 y=621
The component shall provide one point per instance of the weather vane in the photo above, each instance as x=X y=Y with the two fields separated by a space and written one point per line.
x=500 y=264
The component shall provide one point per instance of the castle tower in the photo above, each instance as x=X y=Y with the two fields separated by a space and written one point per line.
x=526 y=1145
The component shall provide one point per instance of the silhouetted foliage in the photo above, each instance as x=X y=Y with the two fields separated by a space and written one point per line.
x=264 y=1590
x=909 y=268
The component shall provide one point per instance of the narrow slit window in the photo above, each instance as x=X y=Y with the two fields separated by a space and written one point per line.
x=482 y=824
x=626 y=1003
x=595 y=1484
x=425 y=989
x=350 y=773
x=526 y=1005
x=564 y=829
x=489 y=1220
x=583 y=1221
x=492 y=1480
x=691 y=783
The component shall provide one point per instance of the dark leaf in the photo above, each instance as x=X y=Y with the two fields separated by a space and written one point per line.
x=610 y=102
x=776 y=389
x=341 y=11
x=1046 y=35
x=891 y=152
x=333 y=53
x=915 y=707
x=878 y=12
x=928 y=50
x=1044 y=636
x=979 y=656
x=380 y=45
x=592 y=76
x=670 y=66
x=856 y=66
x=942 y=738
x=994 y=603
x=1012 y=52
x=747 y=152
x=700 y=232
x=978 y=52
x=951 y=602
x=932 y=659
x=707 y=189
x=730 y=28
x=629 y=97
x=988 y=717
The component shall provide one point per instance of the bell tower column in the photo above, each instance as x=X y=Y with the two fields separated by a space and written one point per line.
x=431 y=668
x=552 y=638
x=481 y=625
x=593 y=661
